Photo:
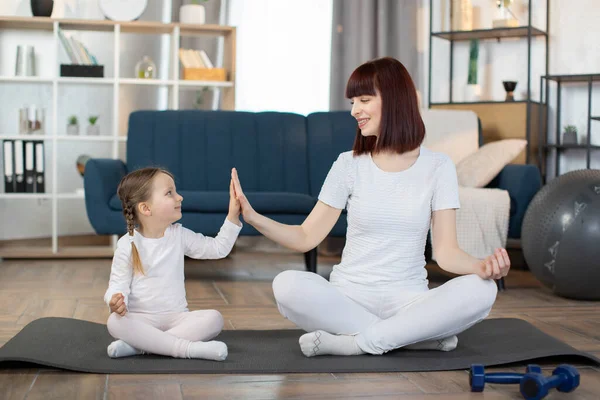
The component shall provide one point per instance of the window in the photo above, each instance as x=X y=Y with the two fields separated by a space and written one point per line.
x=283 y=54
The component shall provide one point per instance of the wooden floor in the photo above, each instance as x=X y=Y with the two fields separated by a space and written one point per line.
x=240 y=287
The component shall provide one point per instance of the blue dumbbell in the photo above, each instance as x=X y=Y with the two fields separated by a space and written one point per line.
x=535 y=386
x=478 y=377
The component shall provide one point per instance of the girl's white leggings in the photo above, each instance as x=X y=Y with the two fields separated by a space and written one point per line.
x=387 y=317
x=165 y=334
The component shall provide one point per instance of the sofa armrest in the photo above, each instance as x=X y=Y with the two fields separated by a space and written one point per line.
x=522 y=183
x=100 y=181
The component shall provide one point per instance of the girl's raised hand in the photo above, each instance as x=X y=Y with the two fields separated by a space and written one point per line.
x=234 y=206
x=247 y=210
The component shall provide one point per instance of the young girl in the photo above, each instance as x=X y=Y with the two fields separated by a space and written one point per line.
x=146 y=292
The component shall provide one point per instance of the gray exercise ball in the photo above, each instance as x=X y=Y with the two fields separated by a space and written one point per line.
x=561 y=235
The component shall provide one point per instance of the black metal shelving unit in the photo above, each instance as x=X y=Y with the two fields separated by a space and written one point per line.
x=528 y=32
x=543 y=134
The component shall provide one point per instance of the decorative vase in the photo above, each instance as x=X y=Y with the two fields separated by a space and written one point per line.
x=462 y=15
x=192 y=14
x=93 y=130
x=42 y=8
x=145 y=68
x=510 y=87
x=504 y=18
x=73 y=129
x=472 y=92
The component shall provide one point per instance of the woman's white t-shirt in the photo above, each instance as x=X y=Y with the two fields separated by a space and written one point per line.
x=389 y=215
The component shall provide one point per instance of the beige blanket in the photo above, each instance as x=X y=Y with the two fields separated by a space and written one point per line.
x=482 y=220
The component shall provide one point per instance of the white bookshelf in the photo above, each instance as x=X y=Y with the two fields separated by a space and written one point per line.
x=112 y=135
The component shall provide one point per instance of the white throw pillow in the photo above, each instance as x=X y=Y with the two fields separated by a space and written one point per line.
x=478 y=169
x=452 y=132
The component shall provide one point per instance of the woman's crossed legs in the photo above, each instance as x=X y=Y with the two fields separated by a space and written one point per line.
x=348 y=320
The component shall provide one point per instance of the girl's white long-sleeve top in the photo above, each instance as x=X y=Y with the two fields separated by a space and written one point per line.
x=161 y=289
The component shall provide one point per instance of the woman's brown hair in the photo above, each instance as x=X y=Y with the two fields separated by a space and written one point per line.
x=402 y=128
x=135 y=188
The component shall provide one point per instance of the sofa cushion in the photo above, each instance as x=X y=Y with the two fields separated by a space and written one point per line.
x=478 y=169
x=201 y=147
x=218 y=202
x=452 y=132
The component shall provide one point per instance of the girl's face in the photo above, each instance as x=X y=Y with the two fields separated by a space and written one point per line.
x=367 y=111
x=165 y=203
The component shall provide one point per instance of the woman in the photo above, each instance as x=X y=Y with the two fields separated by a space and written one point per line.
x=394 y=191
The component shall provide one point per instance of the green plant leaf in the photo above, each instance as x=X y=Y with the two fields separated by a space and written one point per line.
x=473 y=59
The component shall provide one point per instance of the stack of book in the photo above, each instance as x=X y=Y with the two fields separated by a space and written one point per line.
x=194 y=59
x=197 y=66
x=83 y=62
x=77 y=52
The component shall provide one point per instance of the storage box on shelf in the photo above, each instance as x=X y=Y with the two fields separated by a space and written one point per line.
x=65 y=75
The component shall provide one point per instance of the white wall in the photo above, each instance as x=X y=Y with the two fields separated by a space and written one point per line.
x=573 y=49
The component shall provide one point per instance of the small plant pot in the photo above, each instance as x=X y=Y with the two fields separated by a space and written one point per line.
x=192 y=14
x=73 y=129
x=93 y=130
x=570 y=138
x=472 y=93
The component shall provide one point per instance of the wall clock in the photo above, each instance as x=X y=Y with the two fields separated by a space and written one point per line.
x=122 y=10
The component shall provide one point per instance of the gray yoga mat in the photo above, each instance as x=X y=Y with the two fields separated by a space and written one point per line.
x=78 y=345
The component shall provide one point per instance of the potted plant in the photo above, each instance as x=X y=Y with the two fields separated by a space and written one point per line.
x=200 y=97
x=73 y=126
x=192 y=13
x=473 y=90
x=570 y=135
x=93 y=129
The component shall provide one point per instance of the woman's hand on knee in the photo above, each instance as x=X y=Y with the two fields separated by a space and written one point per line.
x=495 y=266
x=117 y=304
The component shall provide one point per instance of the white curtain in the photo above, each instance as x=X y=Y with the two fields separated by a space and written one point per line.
x=283 y=54
x=367 y=29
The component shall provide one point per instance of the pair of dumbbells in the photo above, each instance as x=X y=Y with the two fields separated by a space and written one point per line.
x=533 y=385
x=478 y=378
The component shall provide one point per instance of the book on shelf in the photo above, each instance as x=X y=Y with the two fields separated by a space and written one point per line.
x=77 y=52
x=194 y=59
x=197 y=66
x=23 y=166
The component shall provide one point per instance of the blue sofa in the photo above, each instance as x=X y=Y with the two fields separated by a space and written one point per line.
x=282 y=159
